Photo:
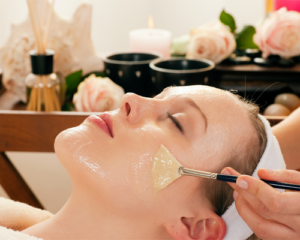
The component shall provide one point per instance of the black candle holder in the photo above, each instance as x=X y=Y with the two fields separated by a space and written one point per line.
x=131 y=71
x=181 y=72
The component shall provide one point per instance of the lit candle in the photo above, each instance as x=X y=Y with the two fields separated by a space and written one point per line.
x=151 y=39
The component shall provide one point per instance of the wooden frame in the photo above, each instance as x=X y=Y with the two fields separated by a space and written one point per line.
x=29 y=132
x=34 y=132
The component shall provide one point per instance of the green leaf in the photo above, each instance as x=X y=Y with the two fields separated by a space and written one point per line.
x=244 y=39
x=72 y=82
x=68 y=107
x=228 y=20
x=98 y=74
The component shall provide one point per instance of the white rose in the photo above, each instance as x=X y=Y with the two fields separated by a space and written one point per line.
x=96 y=94
x=213 y=41
x=280 y=34
x=180 y=45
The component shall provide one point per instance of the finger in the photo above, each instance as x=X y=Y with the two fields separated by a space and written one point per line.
x=262 y=227
x=291 y=221
x=277 y=202
x=231 y=171
x=282 y=175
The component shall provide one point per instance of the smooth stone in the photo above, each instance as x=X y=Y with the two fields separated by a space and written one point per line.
x=277 y=110
x=289 y=100
x=263 y=62
x=253 y=53
x=239 y=52
x=273 y=58
x=240 y=60
x=286 y=62
x=296 y=59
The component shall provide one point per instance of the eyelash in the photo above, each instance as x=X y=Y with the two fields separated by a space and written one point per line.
x=175 y=121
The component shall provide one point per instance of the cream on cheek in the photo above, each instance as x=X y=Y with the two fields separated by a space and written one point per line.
x=122 y=163
x=78 y=146
x=125 y=164
x=81 y=155
x=138 y=170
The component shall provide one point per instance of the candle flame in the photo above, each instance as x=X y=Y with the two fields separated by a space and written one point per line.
x=150 y=22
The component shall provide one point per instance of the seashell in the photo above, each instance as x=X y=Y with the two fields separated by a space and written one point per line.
x=70 y=39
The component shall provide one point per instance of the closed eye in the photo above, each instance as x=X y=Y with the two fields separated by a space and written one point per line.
x=176 y=122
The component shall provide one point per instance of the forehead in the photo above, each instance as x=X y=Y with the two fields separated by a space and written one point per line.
x=201 y=93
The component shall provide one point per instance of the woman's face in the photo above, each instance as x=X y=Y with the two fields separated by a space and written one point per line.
x=199 y=125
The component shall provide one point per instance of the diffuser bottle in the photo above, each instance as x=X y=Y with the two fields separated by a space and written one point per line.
x=43 y=86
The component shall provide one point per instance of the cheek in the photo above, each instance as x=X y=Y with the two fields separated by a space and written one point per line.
x=138 y=176
x=76 y=149
x=137 y=154
x=67 y=141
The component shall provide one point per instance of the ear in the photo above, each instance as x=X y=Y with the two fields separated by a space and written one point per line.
x=213 y=227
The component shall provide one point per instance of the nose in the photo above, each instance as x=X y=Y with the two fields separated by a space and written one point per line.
x=134 y=106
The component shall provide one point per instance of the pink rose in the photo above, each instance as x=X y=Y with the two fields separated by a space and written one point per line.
x=96 y=94
x=280 y=34
x=213 y=41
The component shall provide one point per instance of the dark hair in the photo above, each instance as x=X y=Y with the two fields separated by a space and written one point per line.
x=220 y=193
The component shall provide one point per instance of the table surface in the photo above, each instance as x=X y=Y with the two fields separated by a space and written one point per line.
x=256 y=68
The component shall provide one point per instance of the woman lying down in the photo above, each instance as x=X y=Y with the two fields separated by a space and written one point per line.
x=109 y=159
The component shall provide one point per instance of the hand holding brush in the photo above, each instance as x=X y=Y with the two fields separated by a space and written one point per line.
x=269 y=213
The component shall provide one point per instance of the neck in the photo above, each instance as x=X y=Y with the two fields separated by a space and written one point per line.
x=84 y=217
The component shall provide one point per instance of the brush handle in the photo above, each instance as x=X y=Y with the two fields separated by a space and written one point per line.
x=280 y=185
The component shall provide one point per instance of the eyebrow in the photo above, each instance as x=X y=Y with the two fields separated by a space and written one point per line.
x=192 y=103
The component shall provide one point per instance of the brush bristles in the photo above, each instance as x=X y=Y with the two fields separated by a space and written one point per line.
x=164 y=169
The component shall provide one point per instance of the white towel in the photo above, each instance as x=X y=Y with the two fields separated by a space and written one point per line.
x=19 y=216
x=8 y=234
x=272 y=158
x=16 y=216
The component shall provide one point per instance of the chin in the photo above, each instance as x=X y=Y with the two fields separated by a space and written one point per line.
x=85 y=151
x=65 y=142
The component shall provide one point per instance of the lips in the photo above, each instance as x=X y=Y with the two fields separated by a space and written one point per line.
x=107 y=119
x=104 y=122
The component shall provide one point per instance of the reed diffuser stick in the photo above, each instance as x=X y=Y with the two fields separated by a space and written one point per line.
x=35 y=98
x=39 y=100
x=45 y=40
x=56 y=100
x=29 y=105
x=38 y=26
x=44 y=93
x=34 y=27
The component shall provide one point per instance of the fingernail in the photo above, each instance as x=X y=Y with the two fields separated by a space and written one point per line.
x=269 y=171
x=225 y=171
x=242 y=184
x=235 y=194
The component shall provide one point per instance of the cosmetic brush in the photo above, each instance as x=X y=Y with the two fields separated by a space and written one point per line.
x=229 y=178
x=166 y=169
